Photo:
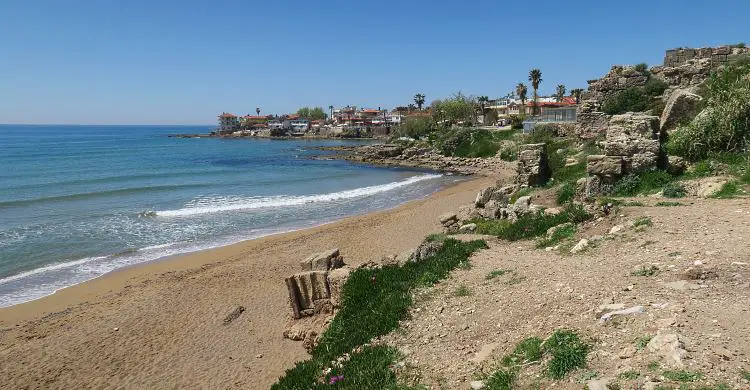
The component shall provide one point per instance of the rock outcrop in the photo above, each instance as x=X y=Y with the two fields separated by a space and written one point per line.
x=682 y=106
x=632 y=145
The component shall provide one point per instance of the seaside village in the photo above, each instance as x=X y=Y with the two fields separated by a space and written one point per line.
x=356 y=122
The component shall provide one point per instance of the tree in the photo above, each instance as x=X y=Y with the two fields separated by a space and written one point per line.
x=312 y=114
x=458 y=108
x=419 y=100
x=482 y=102
x=411 y=107
x=257 y=111
x=577 y=93
x=535 y=76
x=521 y=91
x=560 y=92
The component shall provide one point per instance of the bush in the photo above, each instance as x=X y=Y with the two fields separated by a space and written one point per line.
x=636 y=99
x=568 y=353
x=516 y=122
x=416 y=127
x=724 y=125
x=674 y=190
x=642 y=67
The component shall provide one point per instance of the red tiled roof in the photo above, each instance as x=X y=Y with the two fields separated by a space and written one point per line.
x=227 y=115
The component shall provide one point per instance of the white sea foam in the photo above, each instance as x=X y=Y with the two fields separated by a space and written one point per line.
x=52 y=267
x=223 y=204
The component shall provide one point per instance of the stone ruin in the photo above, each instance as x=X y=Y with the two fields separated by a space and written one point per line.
x=533 y=166
x=315 y=295
x=632 y=145
x=683 y=69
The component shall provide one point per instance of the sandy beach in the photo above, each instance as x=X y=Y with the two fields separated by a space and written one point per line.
x=160 y=325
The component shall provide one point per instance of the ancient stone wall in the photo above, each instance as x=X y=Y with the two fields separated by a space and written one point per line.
x=717 y=56
x=632 y=145
x=533 y=166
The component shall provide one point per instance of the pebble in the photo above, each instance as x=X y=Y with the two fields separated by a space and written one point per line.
x=259 y=356
x=116 y=329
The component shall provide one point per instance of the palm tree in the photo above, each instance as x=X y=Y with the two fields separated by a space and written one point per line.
x=482 y=101
x=419 y=99
x=411 y=107
x=535 y=76
x=521 y=91
x=577 y=93
x=560 y=92
x=257 y=111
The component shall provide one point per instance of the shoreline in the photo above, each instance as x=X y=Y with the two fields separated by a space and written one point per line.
x=130 y=323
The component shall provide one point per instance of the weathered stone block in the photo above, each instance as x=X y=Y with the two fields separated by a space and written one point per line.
x=682 y=106
x=304 y=289
x=323 y=261
x=604 y=165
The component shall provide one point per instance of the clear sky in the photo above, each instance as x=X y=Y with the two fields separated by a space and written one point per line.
x=183 y=62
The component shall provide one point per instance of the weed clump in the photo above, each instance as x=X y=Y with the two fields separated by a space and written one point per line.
x=531 y=225
x=568 y=353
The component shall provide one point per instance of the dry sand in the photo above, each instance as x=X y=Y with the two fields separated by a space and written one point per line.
x=160 y=325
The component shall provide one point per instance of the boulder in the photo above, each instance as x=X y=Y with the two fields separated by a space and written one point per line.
x=448 y=219
x=336 y=280
x=676 y=165
x=580 y=246
x=682 y=106
x=468 y=228
x=670 y=346
x=425 y=250
x=522 y=205
x=601 y=165
x=323 y=261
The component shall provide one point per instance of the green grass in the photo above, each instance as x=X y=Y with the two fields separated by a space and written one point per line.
x=496 y=273
x=643 y=183
x=515 y=280
x=653 y=366
x=462 y=291
x=745 y=375
x=629 y=375
x=644 y=271
x=727 y=191
x=501 y=380
x=642 y=342
x=669 y=204
x=559 y=235
x=569 y=174
x=682 y=376
x=529 y=350
x=373 y=303
x=530 y=225
x=643 y=221
x=565 y=193
x=568 y=353
x=634 y=204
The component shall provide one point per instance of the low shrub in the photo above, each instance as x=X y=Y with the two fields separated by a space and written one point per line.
x=727 y=191
x=501 y=380
x=646 y=271
x=635 y=99
x=528 y=350
x=682 y=376
x=560 y=234
x=647 y=182
x=416 y=127
x=674 y=190
x=643 y=221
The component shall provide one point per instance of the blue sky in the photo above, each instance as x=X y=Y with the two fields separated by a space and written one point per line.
x=183 y=62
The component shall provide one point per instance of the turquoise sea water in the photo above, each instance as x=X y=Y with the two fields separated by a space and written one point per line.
x=79 y=201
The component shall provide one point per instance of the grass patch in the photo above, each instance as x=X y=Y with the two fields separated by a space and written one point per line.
x=437 y=237
x=643 y=221
x=462 y=291
x=682 y=376
x=565 y=193
x=531 y=225
x=529 y=350
x=560 y=234
x=568 y=353
x=728 y=190
x=629 y=375
x=569 y=174
x=496 y=273
x=674 y=254
x=373 y=303
x=644 y=183
x=669 y=204
x=501 y=380
x=642 y=342
x=653 y=366
x=520 y=193
x=646 y=271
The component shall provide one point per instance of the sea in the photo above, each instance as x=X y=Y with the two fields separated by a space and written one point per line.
x=77 y=202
